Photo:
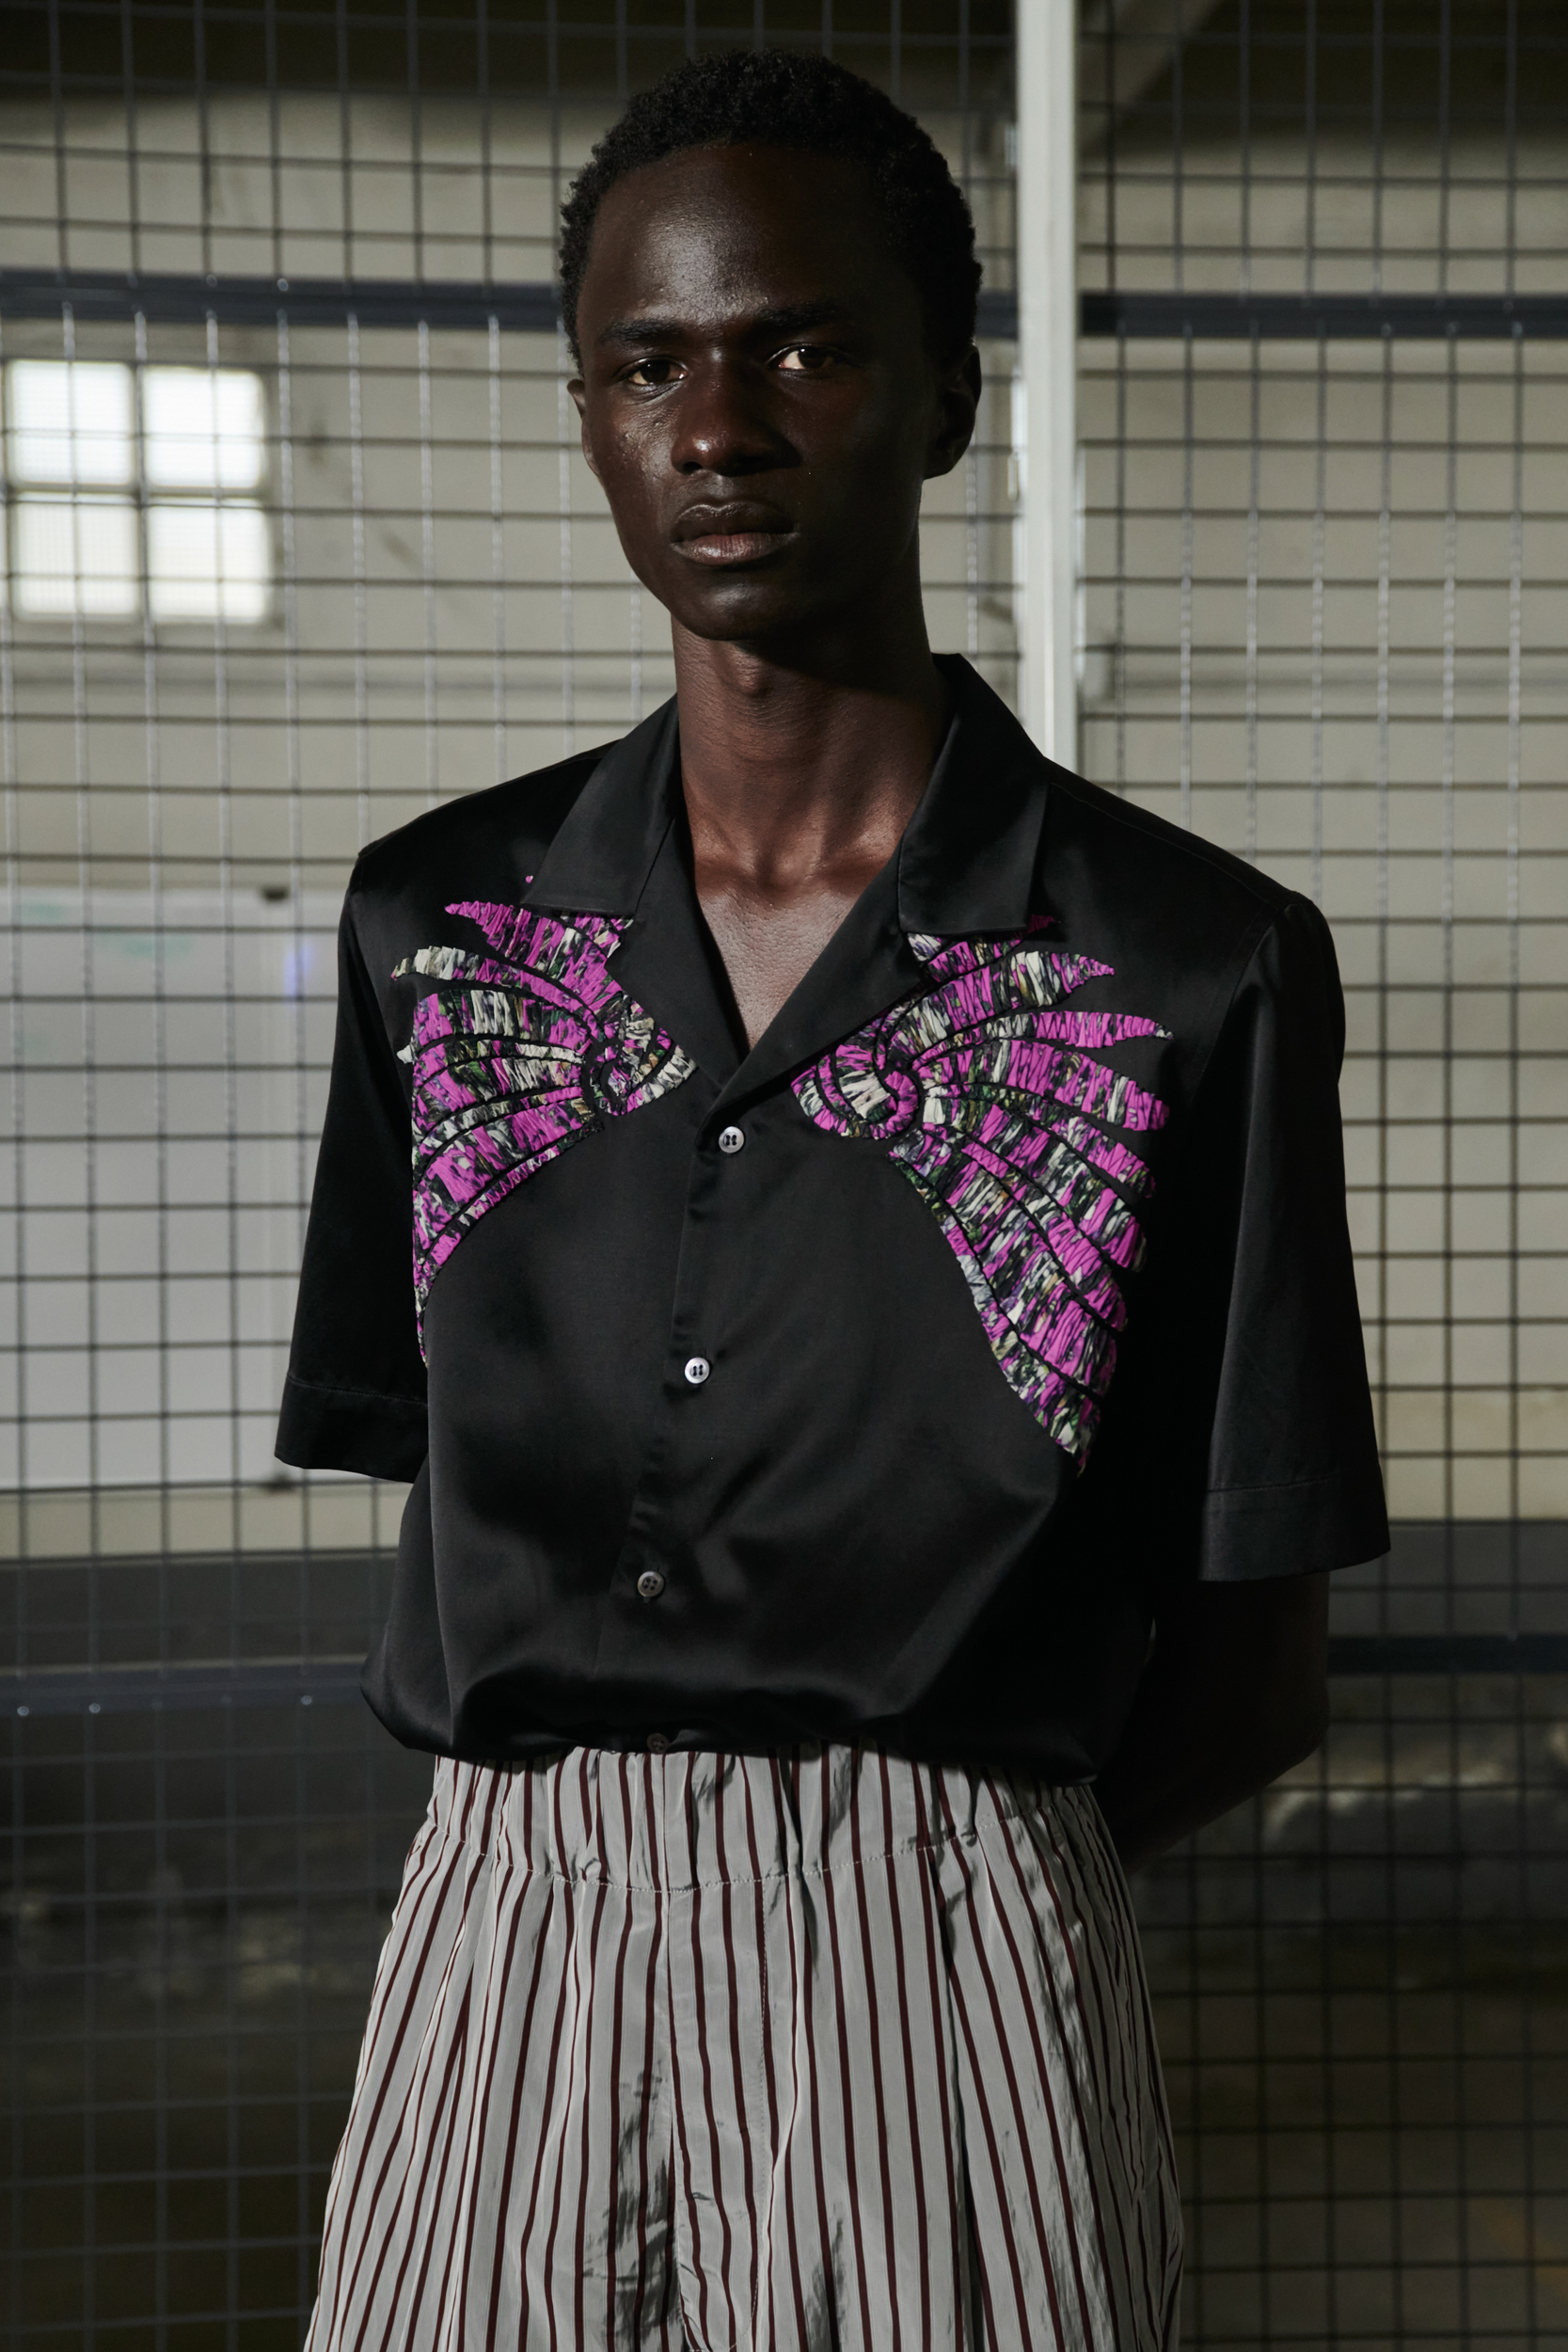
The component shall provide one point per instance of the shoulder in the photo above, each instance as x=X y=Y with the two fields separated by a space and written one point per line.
x=1149 y=854
x=507 y=827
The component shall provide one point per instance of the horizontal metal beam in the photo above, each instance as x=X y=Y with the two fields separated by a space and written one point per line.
x=1307 y=318
x=533 y=308
x=335 y=1682
x=152 y=1689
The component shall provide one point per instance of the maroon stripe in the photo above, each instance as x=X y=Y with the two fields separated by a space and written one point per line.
x=846 y=2098
x=682 y=2143
x=769 y=2082
x=650 y=2016
x=791 y=1897
x=586 y=2105
x=934 y=1916
x=617 y=2032
x=699 y=1991
x=726 y=1900
x=571 y=2106
x=906 y=2038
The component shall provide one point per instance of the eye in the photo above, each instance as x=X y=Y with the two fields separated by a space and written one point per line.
x=804 y=360
x=650 y=375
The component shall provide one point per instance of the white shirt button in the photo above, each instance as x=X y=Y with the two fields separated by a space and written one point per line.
x=731 y=1139
x=697 y=1370
x=658 y=1743
x=650 y=1585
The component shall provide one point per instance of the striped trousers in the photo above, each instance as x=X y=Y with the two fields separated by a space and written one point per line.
x=821 y=2053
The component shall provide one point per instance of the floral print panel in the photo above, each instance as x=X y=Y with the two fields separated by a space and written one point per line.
x=989 y=1090
x=516 y=1056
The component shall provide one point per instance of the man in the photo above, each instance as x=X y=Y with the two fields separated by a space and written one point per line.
x=895 y=1388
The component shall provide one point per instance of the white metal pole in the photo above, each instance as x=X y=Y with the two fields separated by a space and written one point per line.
x=1045 y=412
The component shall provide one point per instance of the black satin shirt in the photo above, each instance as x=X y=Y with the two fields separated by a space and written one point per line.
x=872 y=1384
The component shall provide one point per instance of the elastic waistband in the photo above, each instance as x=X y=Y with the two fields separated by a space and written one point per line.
x=697 y=1819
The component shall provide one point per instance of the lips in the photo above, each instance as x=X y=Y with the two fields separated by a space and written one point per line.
x=726 y=532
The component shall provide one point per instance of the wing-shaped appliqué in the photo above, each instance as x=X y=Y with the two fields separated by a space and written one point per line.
x=516 y=1056
x=990 y=1095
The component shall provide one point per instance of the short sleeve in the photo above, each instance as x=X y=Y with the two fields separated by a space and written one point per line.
x=1293 y=1483
x=356 y=1392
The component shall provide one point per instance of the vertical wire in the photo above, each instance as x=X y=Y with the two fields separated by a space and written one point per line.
x=1253 y=535
x=132 y=150
x=81 y=763
x=275 y=131
x=1119 y=650
x=345 y=137
x=563 y=407
x=1177 y=146
x=487 y=144
x=361 y=621
x=1309 y=70
x=416 y=136
x=1451 y=568
x=1320 y=551
x=152 y=765
x=1185 y=653
x=1378 y=9
x=293 y=1141
x=16 y=1284
x=427 y=566
x=1512 y=1238
x=62 y=149
x=1385 y=538
x=204 y=133
x=1445 y=112
x=497 y=556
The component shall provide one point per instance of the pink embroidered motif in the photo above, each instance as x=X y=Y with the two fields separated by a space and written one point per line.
x=516 y=1055
x=986 y=1089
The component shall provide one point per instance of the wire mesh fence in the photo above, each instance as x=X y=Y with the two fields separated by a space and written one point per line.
x=292 y=263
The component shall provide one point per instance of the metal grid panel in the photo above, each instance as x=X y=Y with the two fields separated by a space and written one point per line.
x=206 y=1827
x=1323 y=606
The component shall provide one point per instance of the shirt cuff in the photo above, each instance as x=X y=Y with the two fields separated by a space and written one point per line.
x=351 y=1429
x=1300 y=1530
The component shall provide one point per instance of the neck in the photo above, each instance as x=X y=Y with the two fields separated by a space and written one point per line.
x=797 y=759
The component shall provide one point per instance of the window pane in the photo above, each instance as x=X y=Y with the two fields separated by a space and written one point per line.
x=70 y=420
x=76 y=555
x=204 y=428
x=207 y=562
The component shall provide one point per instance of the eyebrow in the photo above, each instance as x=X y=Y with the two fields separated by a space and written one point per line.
x=791 y=319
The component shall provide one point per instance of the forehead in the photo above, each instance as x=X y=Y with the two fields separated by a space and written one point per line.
x=714 y=232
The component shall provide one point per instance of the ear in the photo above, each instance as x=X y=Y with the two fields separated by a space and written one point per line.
x=578 y=392
x=958 y=404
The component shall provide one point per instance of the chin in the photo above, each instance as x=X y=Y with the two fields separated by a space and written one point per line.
x=742 y=609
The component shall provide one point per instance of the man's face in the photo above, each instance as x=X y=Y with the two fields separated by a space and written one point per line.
x=757 y=397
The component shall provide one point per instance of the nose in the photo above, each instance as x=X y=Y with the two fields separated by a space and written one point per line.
x=723 y=425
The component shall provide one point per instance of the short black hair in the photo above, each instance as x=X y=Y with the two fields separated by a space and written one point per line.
x=778 y=98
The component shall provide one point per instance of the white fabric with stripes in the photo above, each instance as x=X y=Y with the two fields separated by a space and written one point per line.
x=832 y=2053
